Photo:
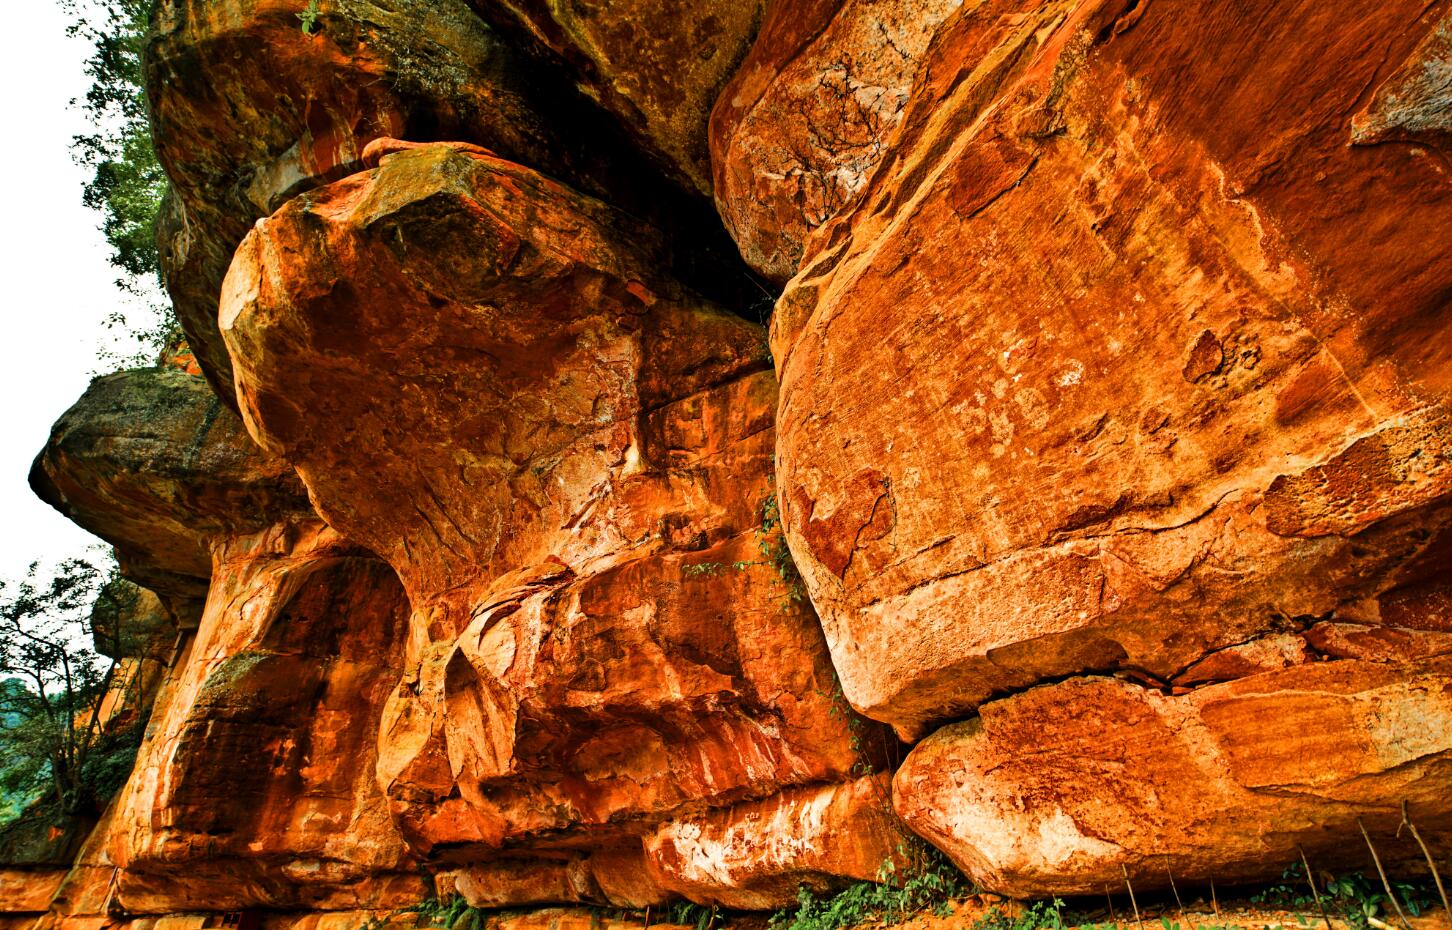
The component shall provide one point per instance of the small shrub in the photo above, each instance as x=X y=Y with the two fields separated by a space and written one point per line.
x=1036 y=916
x=696 y=915
x=309 y=18
x=930 y=884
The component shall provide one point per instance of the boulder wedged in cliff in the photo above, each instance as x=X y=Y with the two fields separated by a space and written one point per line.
x=484 y=377
x=249 y=110
x=152 y=463
x=1099 y=374
x=657 y=67
x=1065 y=787
x=255 y=786
x=808 y=117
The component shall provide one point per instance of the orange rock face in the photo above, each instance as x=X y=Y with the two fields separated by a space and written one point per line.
x=756 y=856
x=151 y=462
x=808 y=116
x=249 y=110
x=255 y=786
x=1109 y=432
x=1117 y=364
x=563 y=454
x=25 y=891
x=1219 y=784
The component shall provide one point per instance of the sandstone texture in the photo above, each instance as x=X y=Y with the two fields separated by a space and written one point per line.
x=808 y=116
x=255 y=786
x=755 y=856
x=151 y=462
x=249 y=110
x=1086 y=510
x=1222 y=783
x=1101 y=375
x=562 y=453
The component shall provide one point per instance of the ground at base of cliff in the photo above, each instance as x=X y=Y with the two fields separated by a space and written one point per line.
x=973 y=912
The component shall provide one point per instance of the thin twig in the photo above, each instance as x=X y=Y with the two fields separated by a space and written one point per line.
x=1316 y=895
x=1176 y=891
x=1132 y=903
x=1385 y=883
x=647 y=917
x=1112 y=916
x=1214 y=901
x=1407 y=822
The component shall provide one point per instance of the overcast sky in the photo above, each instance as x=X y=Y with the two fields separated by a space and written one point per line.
x=57 y=285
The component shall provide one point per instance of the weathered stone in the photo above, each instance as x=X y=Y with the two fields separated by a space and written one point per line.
x=248 y=110
x=1059 y=789
x=1101 y=374
x=24 y=891
x=1414 y=104
x=483 y=376
x=149 y=461
x=759 y=855
x=129 y=621
x=255 y=786
x=809 y=115
x=657 y=66
x=617 y=877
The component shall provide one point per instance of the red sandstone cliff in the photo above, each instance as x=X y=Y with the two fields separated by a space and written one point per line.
x=1105 y=409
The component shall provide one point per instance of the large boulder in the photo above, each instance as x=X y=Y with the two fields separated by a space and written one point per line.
x=248 y=110
x=1032 y=425
x=485 y=377
x=809 y=115
x=1068 y=787
x=1129 y=358
x=151 y=462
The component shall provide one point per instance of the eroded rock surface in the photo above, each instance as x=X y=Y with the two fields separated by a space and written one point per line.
x=1084 y=386
x=255 y=787
x=657 y=66
x=808 y=116
x=1056 y=790
x=1111 y=439
x=1099 y=375
x=151 y=462
x=483 y=376
x=249 y=111
x=757 y=856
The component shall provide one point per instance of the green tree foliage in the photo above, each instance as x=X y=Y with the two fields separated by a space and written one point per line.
x=52 y=683
x=126 y=182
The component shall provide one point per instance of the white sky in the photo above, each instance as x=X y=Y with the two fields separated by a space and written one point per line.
x=57 y=284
